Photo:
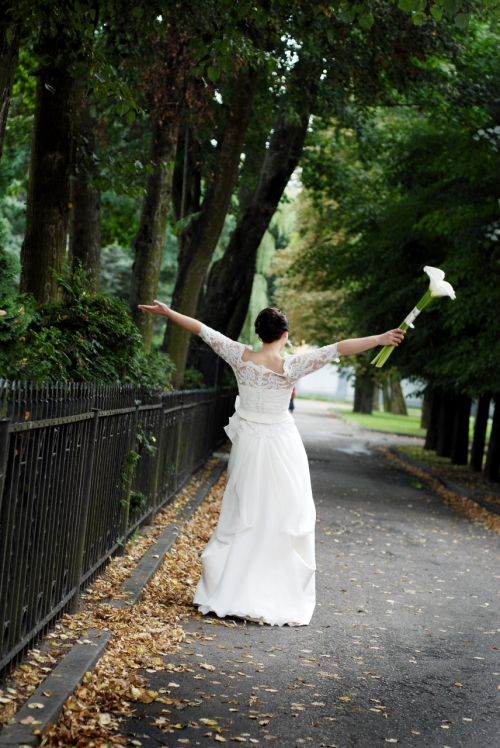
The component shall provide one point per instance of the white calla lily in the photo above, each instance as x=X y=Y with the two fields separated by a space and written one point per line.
x=438 y=286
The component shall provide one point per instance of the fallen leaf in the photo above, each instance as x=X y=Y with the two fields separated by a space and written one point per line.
x=104 y=719
x=35 y=705
x=220 y=739
x=206 y=666
x=47 y=693
x=458 y=684
x=209 y=722
x=344 y=698
x=391 y=740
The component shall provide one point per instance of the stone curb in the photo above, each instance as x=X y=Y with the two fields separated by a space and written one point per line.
x=61 y=682
x=149 y=564
x=466 y=493
x=84 y=655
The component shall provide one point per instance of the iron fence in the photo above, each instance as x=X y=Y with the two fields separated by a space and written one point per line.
x=81 y=467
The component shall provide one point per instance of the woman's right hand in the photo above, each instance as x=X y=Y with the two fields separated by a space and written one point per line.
x=157 y=308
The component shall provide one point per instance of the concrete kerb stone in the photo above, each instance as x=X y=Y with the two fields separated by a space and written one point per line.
x=466 y=493
x=153 y=558
x=61 y=683
x=85 y=653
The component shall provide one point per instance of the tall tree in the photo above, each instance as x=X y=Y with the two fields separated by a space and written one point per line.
x=47 y=209
x=10 y=34
x=165 y=85
x=197 y=241
x=229 y=286
x=85 y=195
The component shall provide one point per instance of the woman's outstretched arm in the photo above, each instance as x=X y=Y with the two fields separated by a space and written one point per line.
x=358 y=345
x=188 y=323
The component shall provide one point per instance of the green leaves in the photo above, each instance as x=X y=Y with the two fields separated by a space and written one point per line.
x=366 y=21
x=213 y=73
x=462 y=20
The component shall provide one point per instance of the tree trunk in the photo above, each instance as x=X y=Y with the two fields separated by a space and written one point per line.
x=431 y=439
x=386 y=395
x=225 y=303
x=480 y=427
x=398 y=403
x=460 y=439
x=85 y=215
x=492 y=467
x=10 y=34
x=425 y=418
x=445 y=424
x=200 y=237
x=150 y=240
x=44 y=247
x=363 y=394
x=376 y=396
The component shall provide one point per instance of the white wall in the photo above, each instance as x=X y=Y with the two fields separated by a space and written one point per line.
x=327 y=382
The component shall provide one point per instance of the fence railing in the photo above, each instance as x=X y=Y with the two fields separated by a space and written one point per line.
x=81 y=467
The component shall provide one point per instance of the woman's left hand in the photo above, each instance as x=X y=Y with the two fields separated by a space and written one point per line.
x=392 y=337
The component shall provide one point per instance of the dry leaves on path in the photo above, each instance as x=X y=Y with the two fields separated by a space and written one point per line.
x=143 y=635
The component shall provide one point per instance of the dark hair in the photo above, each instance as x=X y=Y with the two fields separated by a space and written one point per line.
x=271 y=324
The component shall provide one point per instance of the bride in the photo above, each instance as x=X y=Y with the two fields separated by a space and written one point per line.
x=259 y=564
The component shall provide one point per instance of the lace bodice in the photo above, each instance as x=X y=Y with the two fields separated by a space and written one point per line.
x=263 y=390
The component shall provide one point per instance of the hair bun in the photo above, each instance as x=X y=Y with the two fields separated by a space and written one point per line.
x=270 y=324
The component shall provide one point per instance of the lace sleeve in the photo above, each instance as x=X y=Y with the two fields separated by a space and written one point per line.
x=305 y=363
x=228 y=349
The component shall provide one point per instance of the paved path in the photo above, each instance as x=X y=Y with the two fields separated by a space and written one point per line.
x=403 y=647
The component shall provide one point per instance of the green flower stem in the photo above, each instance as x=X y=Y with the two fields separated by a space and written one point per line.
x=386 y=351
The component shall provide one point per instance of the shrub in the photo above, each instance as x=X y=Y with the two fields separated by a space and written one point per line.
x=193 y=379
x=83 y=337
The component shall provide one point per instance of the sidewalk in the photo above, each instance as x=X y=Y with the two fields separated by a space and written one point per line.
x=403 y=646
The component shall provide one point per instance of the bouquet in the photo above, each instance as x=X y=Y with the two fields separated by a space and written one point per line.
x=437 y=287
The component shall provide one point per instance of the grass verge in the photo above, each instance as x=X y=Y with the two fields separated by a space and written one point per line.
x=381 y=421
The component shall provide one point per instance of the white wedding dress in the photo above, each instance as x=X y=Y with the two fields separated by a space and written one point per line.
x=260 y=562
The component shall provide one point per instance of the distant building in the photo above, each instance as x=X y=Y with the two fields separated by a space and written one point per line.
x=339 y=385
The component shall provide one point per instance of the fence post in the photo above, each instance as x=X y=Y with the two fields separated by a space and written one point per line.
x=4 y=452
x=84 y=511
x=150 y=518
x=128 y=474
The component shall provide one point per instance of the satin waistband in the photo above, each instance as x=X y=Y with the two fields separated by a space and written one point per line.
x=250 y=415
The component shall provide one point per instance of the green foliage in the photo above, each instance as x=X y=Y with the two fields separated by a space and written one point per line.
x=119 y=219
x=193 y=379
x=83 y=337
x=412 y=187
x=116 y=271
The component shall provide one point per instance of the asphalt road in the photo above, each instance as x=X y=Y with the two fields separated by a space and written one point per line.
x=404 y=644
